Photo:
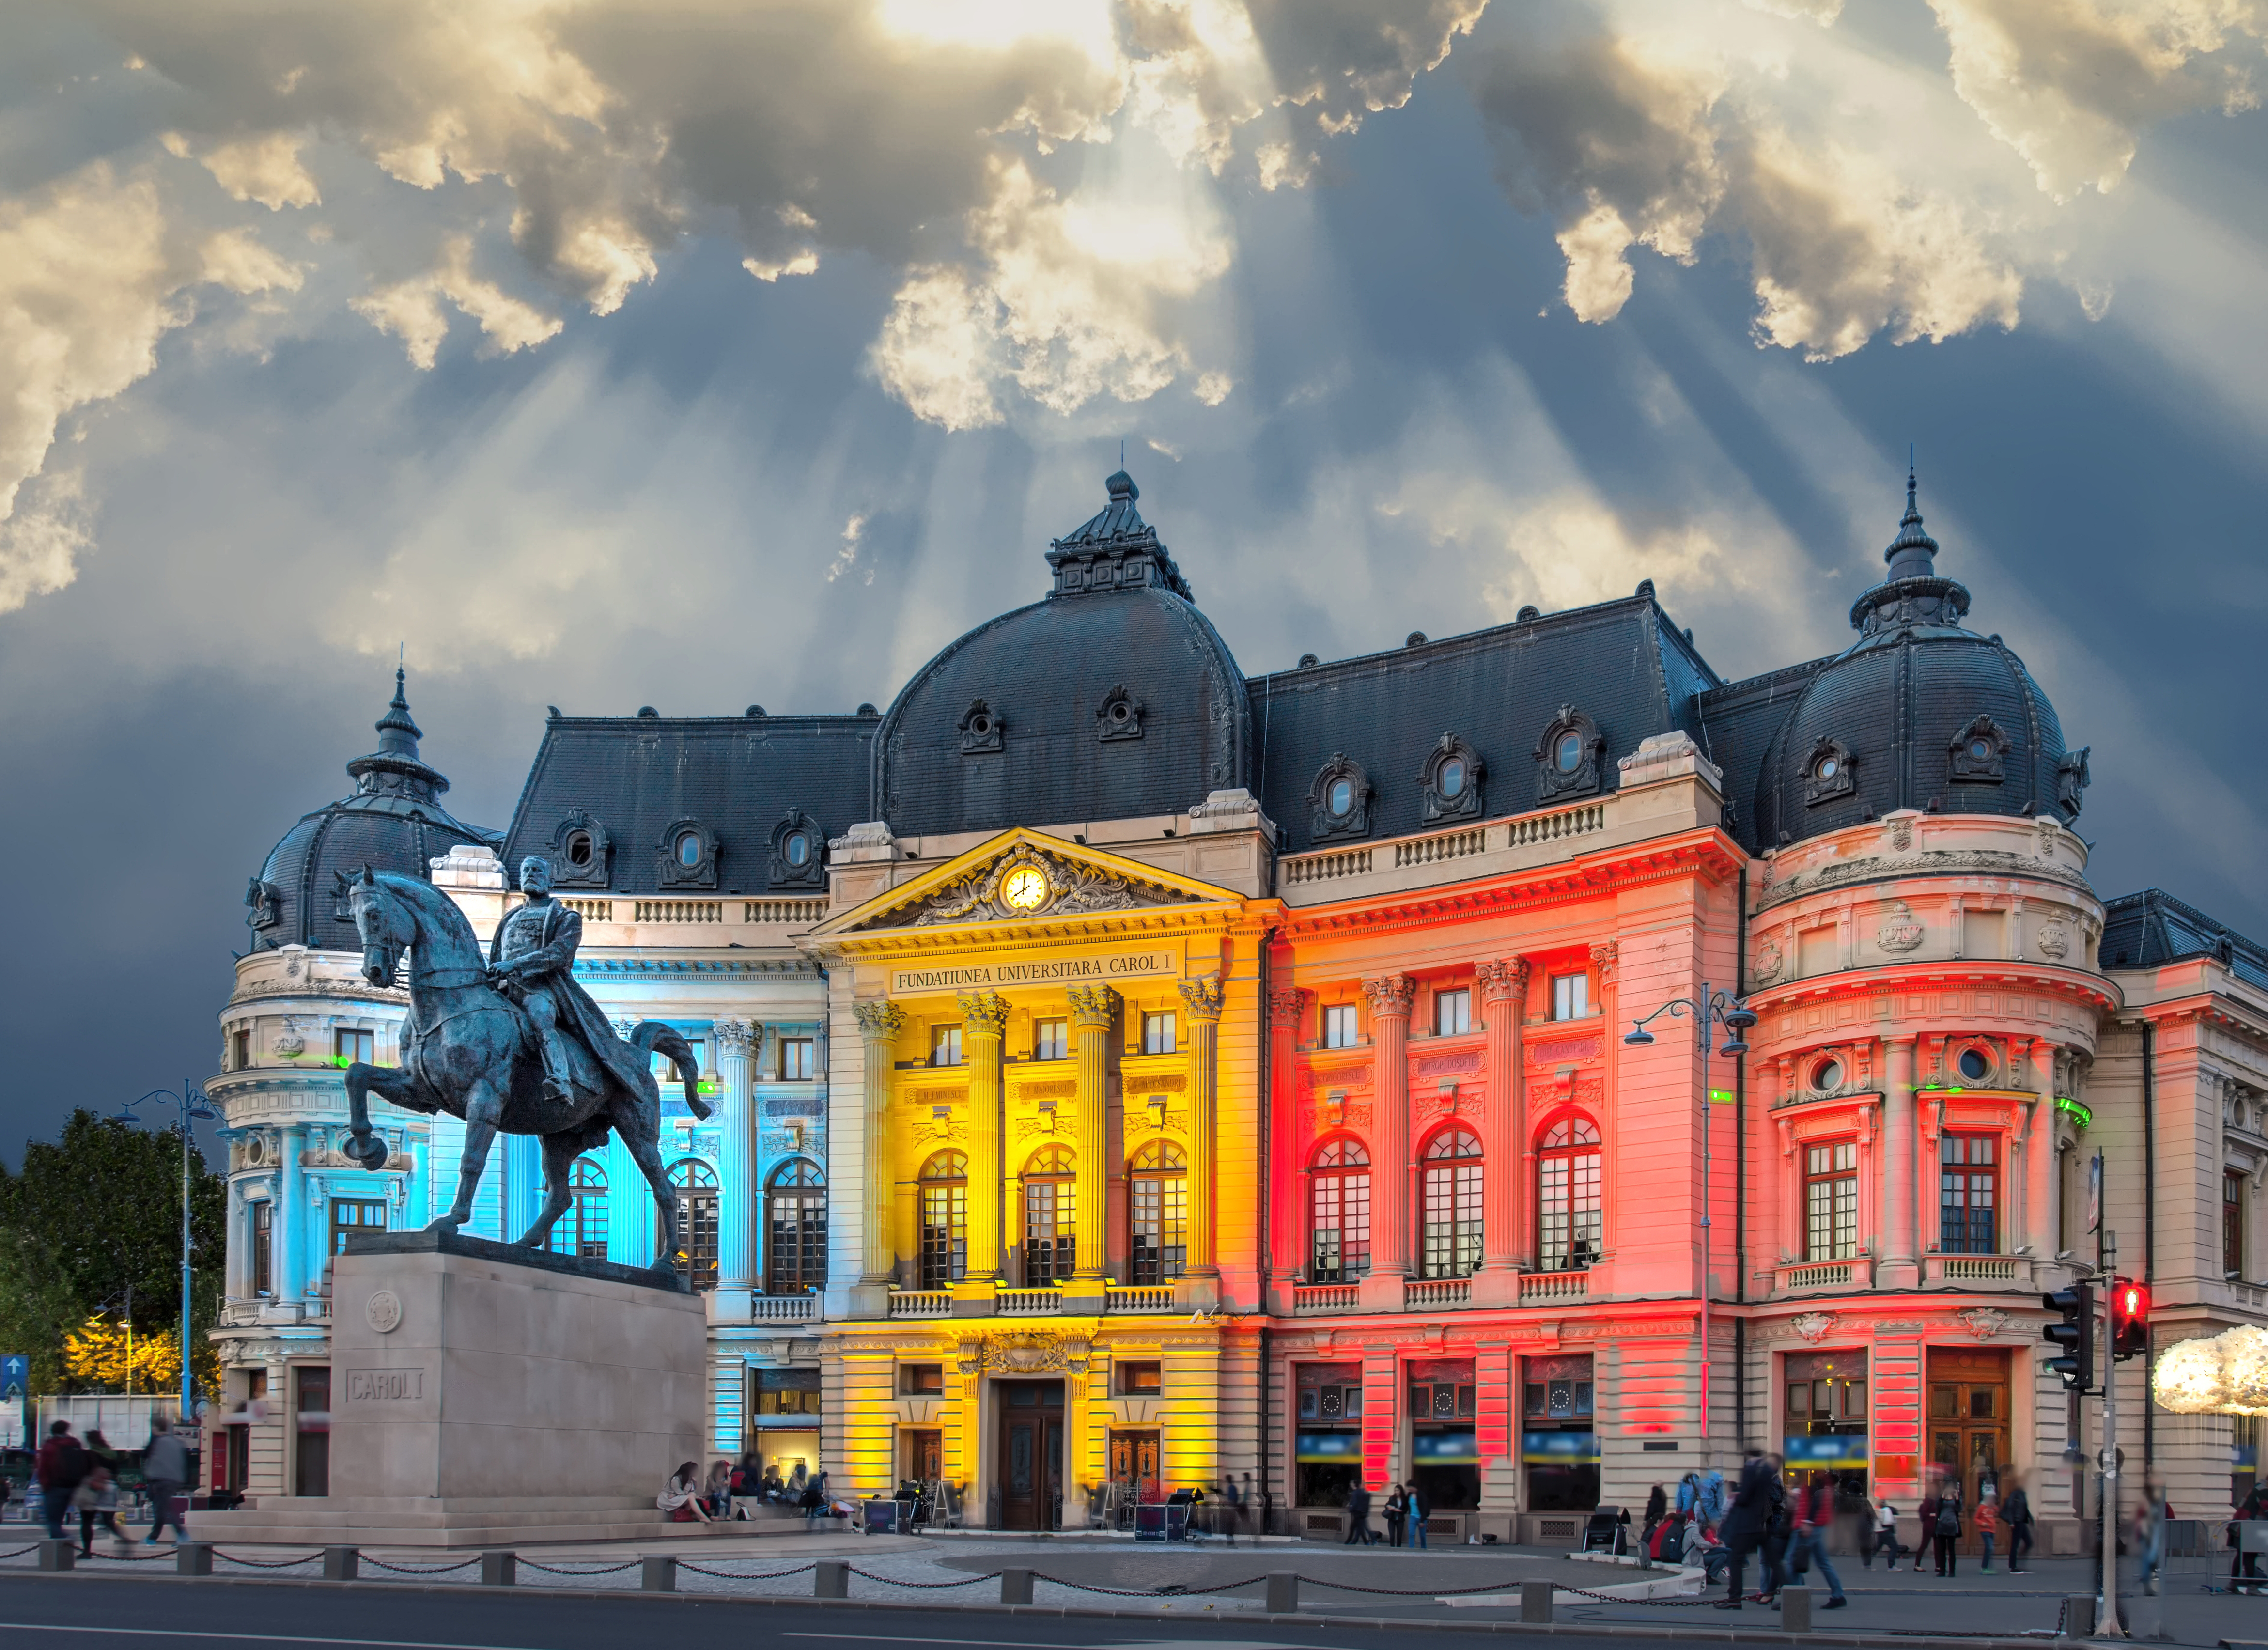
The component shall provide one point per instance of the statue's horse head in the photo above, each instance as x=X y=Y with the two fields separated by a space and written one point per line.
x=386 y=924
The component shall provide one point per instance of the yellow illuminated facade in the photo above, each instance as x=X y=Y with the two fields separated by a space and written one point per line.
x=1045 y=1071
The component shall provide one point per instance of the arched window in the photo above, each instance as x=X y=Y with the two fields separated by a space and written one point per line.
x=795 y=1215
x=1450 y=1206
x=1568 y=1223
x=696 y=1221
x=582 y=1230
x=1339 y=1205
x=1050 y=1209
x=945 y=1220
x=1158 y=1193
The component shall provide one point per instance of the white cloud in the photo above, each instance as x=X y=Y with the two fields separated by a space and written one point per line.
x=265 y=169
x=41 y=543
x=411 y=310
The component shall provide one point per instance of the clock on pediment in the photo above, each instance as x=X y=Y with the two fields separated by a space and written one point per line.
x=1029 y=881
x=1024 y=889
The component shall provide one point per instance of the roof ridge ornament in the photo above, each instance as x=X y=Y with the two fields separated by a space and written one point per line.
x=1912 y=592
x=395 y=766
x=1113 y=550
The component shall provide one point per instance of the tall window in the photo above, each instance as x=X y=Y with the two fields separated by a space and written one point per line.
x=1450 y=1206
x=1571 y=996
x=795 y=1060
x=1158 y=1191
x=354 y=1215
x=263 y=1249
x=944 y=1220
x=1340 y=1205
x=349 y=1045
x=1049 y=1222
x=1830 y=1201
x=1157 y=1034
x=240 y=1051
x=944 y=1045
x=1569 y=1225
x=1051 y=1039
x=696 y=1221
x=2232 y=1223
x=1967 y=1193
x=795 y=1216
x=1342 y=1026
x=1452 y=1012
x=582 y=1230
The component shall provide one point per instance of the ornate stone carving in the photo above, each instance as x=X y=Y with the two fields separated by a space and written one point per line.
x=984 y=1010
x=1812 y=1326
x=2054 y=942
x=1204 y=996
x=880 y=1022
x=1603 y=958
x=943 y=1131
x=981 y=730
x=1287 y=1009
x=1829 y=772
x=1447 y=794
x=1028 y=1352
x=1565 y=769
x=1901 y=835
x=1898 y=932
x=734 y=1035
x=383 y=1311
x=1067 y=889
x=1769 y=961
x=1118 y=717
x=1564 y=1050
x=1092 y=1005
x=1983 y=1323
x=1061 y=1088
x=1464 y=1063
x=1978 y=752
x=2072 y=780
x=1499 y=980
x=289 y=1042
x=1390 y=995
x=1333 y=814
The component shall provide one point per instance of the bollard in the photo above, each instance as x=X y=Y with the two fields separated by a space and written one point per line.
x=1282 y=1593
x=341 y=1563
x=1796 y=1609
x=499 y=1569
x=830 y=1578
x=1535 y=1600
x=193 y=1558
x=658 y=1573
x=1015 y=1586
x=57 y=1555
x=2079 y=1616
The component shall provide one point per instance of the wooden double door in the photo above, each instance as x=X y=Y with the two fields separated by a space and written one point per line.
x=1969 y=1427
x=1032 y=1452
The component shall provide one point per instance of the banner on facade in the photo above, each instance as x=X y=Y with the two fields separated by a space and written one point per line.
x=1329 y=1447
x=1833 y=1452
x=1445 y=1445
x=980 y=974
x=1559 y=1449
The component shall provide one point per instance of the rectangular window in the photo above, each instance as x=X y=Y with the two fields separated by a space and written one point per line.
x=1158 y=1034
x=1831 y=1202
x=354 y=1215
x=795 y=1064
x=1051 y=1039
x=1442 y=1401
x=1141 y=1379
x=349 y=1046
x=240 y=1051
x=1571 y=997
x=944 y=1045
x=1452 y=1012
x=263 y=1249
x=1341 y=1228
x=787 y=1392
x=1342 y=1026
x=1969 y=1189
x=2232 y=1223
x=917 y=1380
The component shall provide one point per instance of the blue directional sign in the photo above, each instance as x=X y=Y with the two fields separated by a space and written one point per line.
x=15 y=1376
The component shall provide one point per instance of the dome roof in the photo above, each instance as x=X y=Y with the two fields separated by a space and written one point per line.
x=391 y=823
x=1113 y=698
x=1920 y=713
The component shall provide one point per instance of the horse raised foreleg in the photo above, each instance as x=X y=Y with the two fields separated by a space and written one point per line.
x=361 y=1145
x=559 y=1156
x=484 y=1110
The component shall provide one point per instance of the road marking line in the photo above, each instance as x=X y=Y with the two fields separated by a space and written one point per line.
x=256 y=1638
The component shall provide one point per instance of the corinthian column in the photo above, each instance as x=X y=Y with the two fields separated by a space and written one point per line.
x=1503 y=1144
x=1203 y=998
x=1093 y=1010
x=1901 y=1139
x=1389 y=997
x=984 y=1024
x=878 y=1025
x=736 y=1257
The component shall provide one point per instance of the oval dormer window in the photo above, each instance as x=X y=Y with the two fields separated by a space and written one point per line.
x=581 y=849
x=798 y=849
x=1569 y=751
x=1828 y=767
x=1973 y=1066
x=1452 y=780
x=1121 y=712
x=1341 y=797
x=1980 y=750
x=980 y=725
x=689 y=848
x=1828 y=1076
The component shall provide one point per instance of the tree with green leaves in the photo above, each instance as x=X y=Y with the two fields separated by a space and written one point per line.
x=93 y=1220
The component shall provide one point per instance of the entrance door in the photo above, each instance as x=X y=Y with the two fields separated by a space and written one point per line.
x=924 y=1455
x=1031 y=1463
x=1968 y=1425
x=1134 y=1460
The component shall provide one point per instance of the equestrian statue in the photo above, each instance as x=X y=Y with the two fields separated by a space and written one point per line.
x=510 y=1041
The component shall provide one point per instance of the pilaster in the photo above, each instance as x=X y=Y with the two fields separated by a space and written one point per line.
x=984 y=1023
x=1504 y=1190
x=878 y=1025
x=1203 y=998
x=1093 y=1011
x=1901 y=1266
x=1389 y=997
x=740 y=1201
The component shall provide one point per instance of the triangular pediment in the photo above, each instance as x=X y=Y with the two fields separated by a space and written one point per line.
x=1024 y=876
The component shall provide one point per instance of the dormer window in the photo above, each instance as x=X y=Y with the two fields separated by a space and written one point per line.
x=581 y=849
x=689 y=856
x=1978 y=753
x=689 y=848
x=1568 y=756
x=1827 y=773
x=1450 y=780
x=578 y=852
x=1338 y=802
x=1118 y=717
x=981 y=730
x=798 y=852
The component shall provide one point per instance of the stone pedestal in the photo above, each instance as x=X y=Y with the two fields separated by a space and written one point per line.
x=484 y=1392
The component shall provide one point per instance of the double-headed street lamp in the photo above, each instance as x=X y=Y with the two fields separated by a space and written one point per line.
x=1710 y=1009
x=190 y=1103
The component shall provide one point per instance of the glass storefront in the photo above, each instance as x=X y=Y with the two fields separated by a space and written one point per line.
x=1558 y=1441
x=1328 y=1444
x=1445 y=1458
x=1824 y=1411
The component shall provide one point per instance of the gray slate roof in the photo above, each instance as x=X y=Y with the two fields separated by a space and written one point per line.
x=2152 y=928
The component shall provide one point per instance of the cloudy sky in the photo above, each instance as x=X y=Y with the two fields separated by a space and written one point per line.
x=598 y=354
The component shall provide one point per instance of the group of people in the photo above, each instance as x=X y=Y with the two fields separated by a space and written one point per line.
x=70 y=1476
x=732 y=1492
x=1406 y=1511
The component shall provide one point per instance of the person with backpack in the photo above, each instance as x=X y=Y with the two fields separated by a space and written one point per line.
x=1814 y=1512
x=1883 y=1535
x=61 y=1466
x=96 y=1499
x=165 y=1470
x=1745 y=1522
x=1946 y=1529
x=1926 y=1527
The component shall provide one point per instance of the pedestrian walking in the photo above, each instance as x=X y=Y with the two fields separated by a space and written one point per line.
x=1360 y=1533
x=61 y=1468
x=1945 y=1529
x=1882 y=1535
x=2016 y=1514
x=1779 y=1530
x=97 y=1498
x=815 y=1501
x=1988 y=1525
x=1743 y=1525
x=2243 y=1565
x=1814 y=1513
x=1255 y=1509
x=165 y=1472
x=1397 y=1512
x=2150 y=1532
x=1926 y=1530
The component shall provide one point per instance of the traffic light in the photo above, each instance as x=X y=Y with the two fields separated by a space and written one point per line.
x=2130 y=1318
x=2076 y=1334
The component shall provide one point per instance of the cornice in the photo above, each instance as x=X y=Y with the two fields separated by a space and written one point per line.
x=1897 y=976
x=641 y=966
x=1950 y=863
x=1149 y=922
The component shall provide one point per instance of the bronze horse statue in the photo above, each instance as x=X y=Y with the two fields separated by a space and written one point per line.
x=468 y=1050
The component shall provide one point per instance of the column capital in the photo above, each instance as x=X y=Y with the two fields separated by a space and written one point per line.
x=1390 y=995
x=1205 y=997
x=1498 y=979
x=983 y=1012
x=735 y=1035
x=1605 y=955
x=880 y=1020
x=1287 y=1008
x=1092 y=1005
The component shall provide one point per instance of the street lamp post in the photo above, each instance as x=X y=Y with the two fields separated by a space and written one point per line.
x=191 y=1104
x=1710 y=1009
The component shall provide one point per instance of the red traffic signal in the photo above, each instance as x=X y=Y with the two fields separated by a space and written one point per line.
x=2130 y=1318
